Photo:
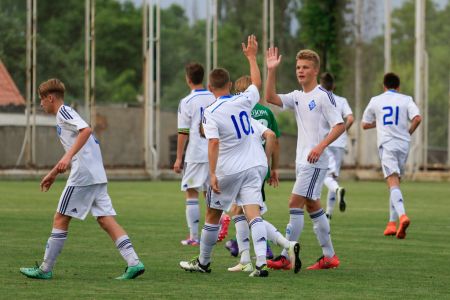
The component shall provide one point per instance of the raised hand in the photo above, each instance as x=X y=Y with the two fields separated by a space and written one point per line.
x=251 y=49
x=272 y=58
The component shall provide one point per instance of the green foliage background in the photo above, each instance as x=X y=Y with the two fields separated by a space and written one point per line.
x=323 y=25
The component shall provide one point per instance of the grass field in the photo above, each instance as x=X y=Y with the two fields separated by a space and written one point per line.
x=372 y=266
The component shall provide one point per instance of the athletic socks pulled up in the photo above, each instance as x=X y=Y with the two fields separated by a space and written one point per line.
x=192 y=217
x=208 y=239
x=55 y=243
x=321 y=228
x=126 y=249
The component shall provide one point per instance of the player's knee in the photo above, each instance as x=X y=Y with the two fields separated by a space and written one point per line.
x=61 y=221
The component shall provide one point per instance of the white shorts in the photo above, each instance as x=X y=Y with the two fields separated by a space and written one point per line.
x=77 y=201
x=195 y=176
x=336 y=157
x=243 y=188
x=309 y=181
x=393 y=156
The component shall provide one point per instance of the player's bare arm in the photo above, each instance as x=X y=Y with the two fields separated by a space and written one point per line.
x=213 y=155
x=251 y=51
x=349 y=121
x=317 y=151
x=414 y=124
x=82 y=138
x=273 y=60
x=368 y=125
x=274 y=179
x=181 y=142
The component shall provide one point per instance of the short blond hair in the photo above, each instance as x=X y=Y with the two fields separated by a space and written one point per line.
x=52 y=86
x=310 y=55
x=242 y=83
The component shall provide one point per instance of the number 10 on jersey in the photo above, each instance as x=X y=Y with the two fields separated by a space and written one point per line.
x=244 y=122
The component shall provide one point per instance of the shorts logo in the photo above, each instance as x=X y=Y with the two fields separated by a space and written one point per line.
x=312 y=104
x=296 y=103
x=263 y=239
x=185 y=185
x=74 y=210
x=58 y=130
x=218 y=203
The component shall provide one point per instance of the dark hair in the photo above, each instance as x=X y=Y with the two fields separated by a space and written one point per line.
x=218 y=78
x=391 y=81
x=195 y=72
x=327 y=81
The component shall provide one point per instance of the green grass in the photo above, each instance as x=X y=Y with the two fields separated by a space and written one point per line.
x=372 y=266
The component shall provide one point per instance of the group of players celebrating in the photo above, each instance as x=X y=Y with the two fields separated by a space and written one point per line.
x=232 y=141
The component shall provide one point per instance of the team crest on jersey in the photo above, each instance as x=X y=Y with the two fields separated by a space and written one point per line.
x=58 y=130
x=312 y=104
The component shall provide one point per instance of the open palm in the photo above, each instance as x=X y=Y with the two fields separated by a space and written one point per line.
x=272 y=58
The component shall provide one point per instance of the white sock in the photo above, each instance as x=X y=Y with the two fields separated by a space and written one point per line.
x=192 y=217
x=126 y=249
x=259 y=237
x=208 y=239
x=243 y=238
x=55 y=243
x=397 y=200
x=275 y=236
x=322 y=230
x=331 y=183
x=295 y=227
x=393 y=217
x=331 y=202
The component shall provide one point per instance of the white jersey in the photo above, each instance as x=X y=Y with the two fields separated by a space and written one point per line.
x=345 y=110
x=316 y=114
x=190 y=112
x=228 y=119
x=391 y=111
x=87 y=165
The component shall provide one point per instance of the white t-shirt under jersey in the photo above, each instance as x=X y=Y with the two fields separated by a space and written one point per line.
x=87 y=165
x=229 y=120
x=190 y=111
x=391 y=111
x=345 y=110
x=316 y=114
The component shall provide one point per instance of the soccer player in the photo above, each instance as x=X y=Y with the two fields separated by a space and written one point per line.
x=265 y=116
x=389 y=113
x=336 y=150
x=237 y=165
x=195 y=171
x=315 y=112
x=86 y=188
x=261 y=134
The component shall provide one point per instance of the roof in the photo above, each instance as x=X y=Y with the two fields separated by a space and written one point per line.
x=9 y=93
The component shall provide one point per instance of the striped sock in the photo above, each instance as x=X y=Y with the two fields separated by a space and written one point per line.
x=54 y=246
x=259 y=237
x=126 y=249
x=192 y=217
x=243 y=238
x=208 y=239
x=322 y=230
x=295 y=227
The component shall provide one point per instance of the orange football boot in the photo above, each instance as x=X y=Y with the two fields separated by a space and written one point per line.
x=391 y=229
x=325 y=263
x=404 y=223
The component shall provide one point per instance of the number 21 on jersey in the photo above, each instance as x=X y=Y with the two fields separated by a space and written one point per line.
x=390 y=118
x=244 y=122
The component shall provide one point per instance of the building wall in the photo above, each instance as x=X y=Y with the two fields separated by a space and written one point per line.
x=120 y=131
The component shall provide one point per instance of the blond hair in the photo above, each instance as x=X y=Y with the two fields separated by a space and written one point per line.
x=52 y=86
x=242 y=83
x=310 y=55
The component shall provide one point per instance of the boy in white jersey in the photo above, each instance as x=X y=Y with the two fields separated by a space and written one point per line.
x=195 y=172
x=336 y=150
x=86 y=188
x=315 y=112
x=237 y=165
x=389 y=113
